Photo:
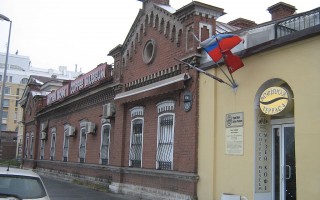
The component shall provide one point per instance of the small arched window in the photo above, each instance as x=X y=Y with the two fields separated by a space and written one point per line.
x=24 y=81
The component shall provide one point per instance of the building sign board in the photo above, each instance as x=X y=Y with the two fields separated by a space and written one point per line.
x=88 y=79
x=52 y=97
x=80 y=83
x=234 y=134
x=275 y=100
x=62 y=92
x=234 y=119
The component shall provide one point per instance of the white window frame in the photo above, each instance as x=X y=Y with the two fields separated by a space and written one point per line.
x=53 y=144
x=165 y=109
x=6 y=103
x=65 y=153
x=6 y=113
x=7 y=90
x=107 y=144
x=31 y=146
x=132 y=142
x=82 y=135
x=26 y=149
x=24 y=81
x=42 y=142
x=42 y=147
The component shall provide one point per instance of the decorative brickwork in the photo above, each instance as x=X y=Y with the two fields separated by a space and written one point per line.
x=151 y=143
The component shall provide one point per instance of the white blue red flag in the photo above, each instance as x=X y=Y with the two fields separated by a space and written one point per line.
x=219 y=46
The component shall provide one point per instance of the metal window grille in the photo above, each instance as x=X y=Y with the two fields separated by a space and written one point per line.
x=164 y=156
x=105 y=141
x=82 y=148
x=31 y=147
x=26 y=148
x=135 y=153
x=53 y=147
x=42 y=143
x=65 y=147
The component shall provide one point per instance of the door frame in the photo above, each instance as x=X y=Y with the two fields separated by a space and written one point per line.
x=281 y=124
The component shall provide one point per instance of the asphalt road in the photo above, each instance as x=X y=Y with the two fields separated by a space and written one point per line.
x=61 y=190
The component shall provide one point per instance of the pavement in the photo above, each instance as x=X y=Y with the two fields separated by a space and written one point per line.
x=62 y=190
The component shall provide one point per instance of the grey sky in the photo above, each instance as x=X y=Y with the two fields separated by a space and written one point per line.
x=68 y=32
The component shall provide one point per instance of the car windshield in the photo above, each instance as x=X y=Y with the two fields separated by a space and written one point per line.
x=22 y=186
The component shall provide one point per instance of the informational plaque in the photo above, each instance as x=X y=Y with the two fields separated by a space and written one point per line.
x=234 y=141
x=234 y=134
x=234 y=119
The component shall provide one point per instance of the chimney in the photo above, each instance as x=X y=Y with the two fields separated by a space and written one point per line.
x=281 y=10
x=242 y=23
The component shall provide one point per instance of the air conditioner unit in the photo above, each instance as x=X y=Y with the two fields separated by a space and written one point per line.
x=90 y=128
x=71 y=131
x=43 y=135
x=108 y=110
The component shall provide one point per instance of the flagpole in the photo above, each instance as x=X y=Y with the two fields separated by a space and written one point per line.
x=206 y=73
x=234 y=85
x=224 y=73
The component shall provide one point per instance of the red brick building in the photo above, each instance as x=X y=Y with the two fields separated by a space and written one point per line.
x=133 y=126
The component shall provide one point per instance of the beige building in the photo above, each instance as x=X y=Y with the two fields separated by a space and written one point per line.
x=261 y=141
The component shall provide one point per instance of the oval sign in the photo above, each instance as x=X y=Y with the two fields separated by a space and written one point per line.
x=275 y=101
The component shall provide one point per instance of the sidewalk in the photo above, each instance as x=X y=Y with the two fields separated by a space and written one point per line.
x=63 y=190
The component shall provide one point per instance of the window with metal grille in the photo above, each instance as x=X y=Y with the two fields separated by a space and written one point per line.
x=65 y=146
x=26 y=150
x=105 y=143
x=31 y=147
x=53 y=145
x=82 y=145
x=42 y=144
x=135 y=154
x=164 y=156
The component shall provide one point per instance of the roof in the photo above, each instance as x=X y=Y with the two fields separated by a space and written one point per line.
x=167 y=8
x=225 y=28
x=39 y=93
x=39 y=79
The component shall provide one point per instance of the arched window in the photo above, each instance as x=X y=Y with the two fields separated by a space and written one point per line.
x=136 y=136
x=105 y=143
x=165 y=135
x=53 y=144
x=24 y=81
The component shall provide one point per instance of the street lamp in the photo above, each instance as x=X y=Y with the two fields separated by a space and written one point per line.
x=2 y=17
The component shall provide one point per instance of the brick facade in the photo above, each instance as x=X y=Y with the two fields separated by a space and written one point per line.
x=146 y=77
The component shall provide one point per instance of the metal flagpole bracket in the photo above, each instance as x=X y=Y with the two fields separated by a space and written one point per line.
x=208 y=74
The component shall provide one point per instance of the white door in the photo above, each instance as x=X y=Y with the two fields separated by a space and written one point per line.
x=284 y=162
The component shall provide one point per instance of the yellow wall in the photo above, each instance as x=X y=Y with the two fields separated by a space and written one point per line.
x=13 y=110
x=298 y=65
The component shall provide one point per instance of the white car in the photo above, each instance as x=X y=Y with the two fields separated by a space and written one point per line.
x=20 y=184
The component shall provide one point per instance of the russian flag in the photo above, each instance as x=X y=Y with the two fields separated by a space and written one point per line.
x=216 y=45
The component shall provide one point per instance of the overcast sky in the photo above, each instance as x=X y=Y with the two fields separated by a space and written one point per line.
x=57 y=33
